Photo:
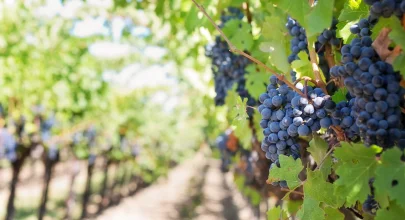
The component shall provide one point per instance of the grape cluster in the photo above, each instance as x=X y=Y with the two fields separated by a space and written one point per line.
x=375 y=87
x=225 y=154
x=286 y=116
x=228 y=68
x=370 y=206
x=341 y=115
x=234 y=13
x=46 y=126
x=386 y=8
x=329 y=35
x=298 y=42
x=9 y=144
x=53 y=152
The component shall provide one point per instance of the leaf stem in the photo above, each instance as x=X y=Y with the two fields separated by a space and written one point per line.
x=232 y=48
x=324 y=158
x=293 y=192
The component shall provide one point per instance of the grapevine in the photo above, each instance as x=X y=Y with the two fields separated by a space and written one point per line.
x=367 y=118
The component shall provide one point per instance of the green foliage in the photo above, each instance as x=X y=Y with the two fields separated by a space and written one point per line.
x=393 y=212
x=344 y=31
x=340 y=95
x=276 y=213
x=256 y=80
x=390 y=177
x=318 y=149
x=357 y=165
x=239 y=117
x=297 y=9
x=310 y=210
x=275 y=42
x=333 y=214
x=397 y=35
x=239 y=33
x=288 y=171
x=317 y=188
x=302 y=66
x=192 y=20
x=253 y=195
x=319 y=18
x=398 y=64
x=354 y=10
x=240 y=182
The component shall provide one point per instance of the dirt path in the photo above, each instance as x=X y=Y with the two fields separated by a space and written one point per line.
x=195 y=189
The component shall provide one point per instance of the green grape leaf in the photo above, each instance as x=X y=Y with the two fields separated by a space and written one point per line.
x=318 y=149
x=293 y=206
x=255 y=197
x=259 y=54
x=339 y=5
x=398 y=64
x=256 y=80
x=357 y=165
x=239 y=33
x=303 y=66
x=243 y=132
x=236 y=3
x=354 y=10
x=288 y=171
x=394 y=212
x=390 y=177
x=333 y=214
x=276 y=213
x=240 y=182
x=318 y=189
x=175 y=4
x=231 y=99
x=382 y=22
x=160 y=8
x=192 y=20
x=340 y=95
x=397 y=34
x=239 y=117
x=319 y=18
x=343 y=31
x=310 y=210
x=297 y=9
x=276 y=40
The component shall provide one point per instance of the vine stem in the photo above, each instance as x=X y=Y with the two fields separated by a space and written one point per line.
x=232 y=48
x=330 y=59
x=248 y=14
x=315 y=68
